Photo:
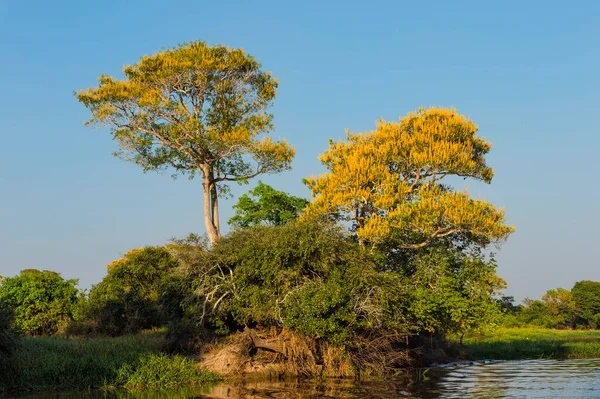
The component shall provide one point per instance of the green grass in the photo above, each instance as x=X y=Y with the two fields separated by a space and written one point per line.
x=534 y=343
x=56 y=363
x=163 y=371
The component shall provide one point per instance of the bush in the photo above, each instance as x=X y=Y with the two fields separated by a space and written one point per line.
x=42 y=301
x=8 y=337
x=184 y=336
x=308 y=276
x=586 y=295
x=322 y=309
x=450 y=289
x=8 y=334
x=139 y=292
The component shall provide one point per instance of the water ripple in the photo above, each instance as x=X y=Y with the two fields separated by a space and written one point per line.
x=489 y=380
x=517 y=379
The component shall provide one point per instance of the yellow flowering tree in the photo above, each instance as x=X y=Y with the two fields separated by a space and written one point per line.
x=197 y=109
x=391 y=183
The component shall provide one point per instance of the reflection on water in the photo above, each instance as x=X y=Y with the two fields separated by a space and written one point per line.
x=522 y=379
x=515 y=379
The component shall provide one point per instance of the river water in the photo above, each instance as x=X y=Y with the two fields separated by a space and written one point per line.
x=510 y=379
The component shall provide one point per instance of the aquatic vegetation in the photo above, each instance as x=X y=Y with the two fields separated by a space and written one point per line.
x=163 y=371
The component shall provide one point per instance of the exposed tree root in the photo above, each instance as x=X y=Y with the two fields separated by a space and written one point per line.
x=279 y=353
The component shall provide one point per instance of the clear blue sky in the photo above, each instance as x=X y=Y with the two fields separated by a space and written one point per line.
x=525 y=71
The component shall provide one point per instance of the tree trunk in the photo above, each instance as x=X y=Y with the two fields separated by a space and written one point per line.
x=215 y=207
x=208 y=190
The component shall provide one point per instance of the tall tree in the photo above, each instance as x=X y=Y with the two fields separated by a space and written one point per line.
x=390 y=183
x=197 y=109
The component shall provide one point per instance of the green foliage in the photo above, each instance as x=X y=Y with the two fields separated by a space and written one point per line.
x=535 y=313
x=586 y=295
x=561 y=308
x=163 y=371
x=308 y=276
x=264 y=205
x=507 y=305
x=42 y=301
x=58 y=363
x=452 y=290
x=8 y=338
x=322 y=310
x=185 y=336
x=197 y=109
x=8 y=333
x=141 y=290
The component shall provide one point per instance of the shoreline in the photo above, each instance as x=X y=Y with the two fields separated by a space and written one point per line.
x=66 y=364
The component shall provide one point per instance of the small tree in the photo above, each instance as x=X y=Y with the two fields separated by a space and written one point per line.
x=507 y=304
x=264 y=205
x=452 y=290
x=389 y=183
x=561 y=306
x=586 y=295
x=42 y=301
x=138 y=292
x=198 y=109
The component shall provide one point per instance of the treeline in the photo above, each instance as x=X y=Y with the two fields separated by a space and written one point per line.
x=578 y=308
x=307 y=276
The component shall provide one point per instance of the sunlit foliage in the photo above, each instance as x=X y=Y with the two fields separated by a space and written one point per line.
x=264 y=205
x=198 y=110
x=452 y=291
x=42 y=301
x=390 y=182
x=586 y=295
x=139 y=291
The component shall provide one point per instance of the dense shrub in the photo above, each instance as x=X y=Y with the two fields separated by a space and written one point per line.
x=42 y=301
x=8 y=338
x=308 y=276
x=586 y=295
x=451 y=290
x=8 y=333
x=185 y=336
x=139 y=291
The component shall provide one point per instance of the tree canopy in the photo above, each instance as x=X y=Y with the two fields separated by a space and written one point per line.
x=264 y=205
x=42 y=301
x=139 y=291
x=198 y=110
x=390 y=182
x=586 y=295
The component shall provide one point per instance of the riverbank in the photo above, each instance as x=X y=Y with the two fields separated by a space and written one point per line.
x=534 y=343
x=137 y=361
x=131 y=361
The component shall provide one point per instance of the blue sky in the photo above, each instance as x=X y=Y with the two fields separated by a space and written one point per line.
x=525 y=72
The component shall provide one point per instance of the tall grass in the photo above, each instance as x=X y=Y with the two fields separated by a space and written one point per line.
x=56 y=363
x=163 y=371
x=534 y=343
